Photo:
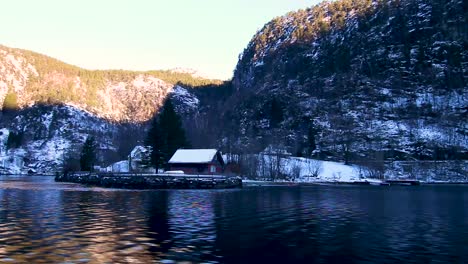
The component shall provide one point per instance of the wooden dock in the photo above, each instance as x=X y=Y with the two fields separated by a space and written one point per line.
x=151 y=181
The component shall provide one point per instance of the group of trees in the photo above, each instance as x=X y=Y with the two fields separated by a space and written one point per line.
x=87 y=157
x=14 y=139
x=164 y=137
x=184 y=79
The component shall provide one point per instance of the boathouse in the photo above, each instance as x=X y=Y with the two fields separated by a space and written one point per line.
x=197 y=161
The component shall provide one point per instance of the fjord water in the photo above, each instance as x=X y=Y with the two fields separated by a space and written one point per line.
x=46 y=222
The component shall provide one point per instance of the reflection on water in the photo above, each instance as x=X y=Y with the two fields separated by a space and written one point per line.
x=46 y=222
x=192 y=224
x=53 y=226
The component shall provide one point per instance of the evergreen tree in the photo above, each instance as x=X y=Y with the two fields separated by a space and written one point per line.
x=172 y=130
x=157 y=143
x=276 y=112
x=88 y=154
x=14 y=139
x=165 y=135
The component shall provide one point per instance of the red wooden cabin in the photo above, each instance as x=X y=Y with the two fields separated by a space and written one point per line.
x=197 y=161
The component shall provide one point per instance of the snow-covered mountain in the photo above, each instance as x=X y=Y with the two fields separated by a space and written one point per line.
x=50 y=107
x=48 y=135
x=120 y=96
x=357 y=80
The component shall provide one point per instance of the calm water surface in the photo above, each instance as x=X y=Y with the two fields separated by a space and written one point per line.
x=46 y=222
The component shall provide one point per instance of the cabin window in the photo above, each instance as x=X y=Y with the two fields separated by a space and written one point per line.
x=212 y=168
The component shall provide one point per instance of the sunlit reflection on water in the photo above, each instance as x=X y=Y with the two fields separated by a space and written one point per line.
x=46 y=222
x=41 y=221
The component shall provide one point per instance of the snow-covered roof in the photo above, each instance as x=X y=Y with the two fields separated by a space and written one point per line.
x=193 y=156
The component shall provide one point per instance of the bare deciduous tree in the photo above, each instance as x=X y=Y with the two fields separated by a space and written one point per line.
x=314 y=167
x=248 y=166
x=295 y=172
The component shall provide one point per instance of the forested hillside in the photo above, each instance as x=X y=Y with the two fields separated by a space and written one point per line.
x=357 y=80
x=28 y=78
x=49 y=108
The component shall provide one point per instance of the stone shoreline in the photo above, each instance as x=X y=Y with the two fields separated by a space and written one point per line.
x=151 y=181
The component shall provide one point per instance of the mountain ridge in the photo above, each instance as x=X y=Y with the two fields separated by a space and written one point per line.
x=49 y=108
x=111 y=94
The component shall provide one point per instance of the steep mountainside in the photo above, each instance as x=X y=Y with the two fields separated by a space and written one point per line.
x=115 y=95
x=44 y=136
x=49 y=108
x=41 y=137
x=354 y=78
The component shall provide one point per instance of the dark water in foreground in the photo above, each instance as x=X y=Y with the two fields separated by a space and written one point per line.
x=46 y=222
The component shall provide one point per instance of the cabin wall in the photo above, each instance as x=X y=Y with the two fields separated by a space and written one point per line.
x=197 y=168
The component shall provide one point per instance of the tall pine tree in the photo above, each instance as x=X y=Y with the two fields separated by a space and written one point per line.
x=155 y=140
x=166 y=135
x=88 y=154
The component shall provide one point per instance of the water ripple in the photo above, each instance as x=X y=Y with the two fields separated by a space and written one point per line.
x=45 y=222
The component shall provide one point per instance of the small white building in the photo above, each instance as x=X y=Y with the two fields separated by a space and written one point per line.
x=120 y=166
x=134 y=162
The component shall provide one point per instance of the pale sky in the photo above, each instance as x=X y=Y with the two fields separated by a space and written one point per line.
x=206 y=35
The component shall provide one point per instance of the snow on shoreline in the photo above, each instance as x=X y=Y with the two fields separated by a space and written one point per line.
x=327 y=170
x=304 y=170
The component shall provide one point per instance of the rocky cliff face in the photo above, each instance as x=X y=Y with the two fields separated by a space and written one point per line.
x=51 y=107
x=118 y=96
x=355 y=78
x=45 y=136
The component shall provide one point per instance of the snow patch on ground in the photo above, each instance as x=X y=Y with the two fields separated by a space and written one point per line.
x=317 y=171
x=308 y=170
x=328 y=170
